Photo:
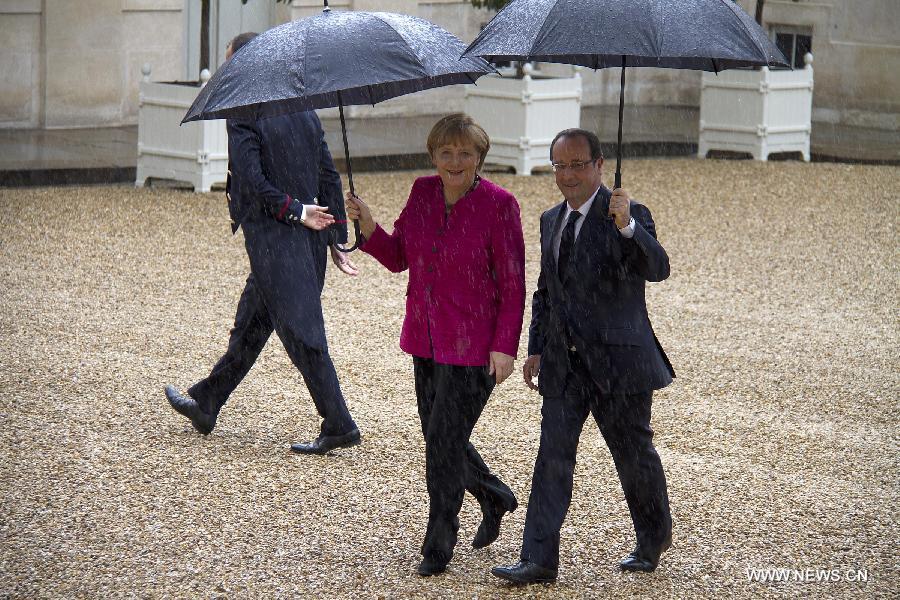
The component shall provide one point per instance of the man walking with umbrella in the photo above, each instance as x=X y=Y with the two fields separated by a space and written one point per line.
x=281 y=164
x=285 y=193
x=590 y=336
x=594 y=351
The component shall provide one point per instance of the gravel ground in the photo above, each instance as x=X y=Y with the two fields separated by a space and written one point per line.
x=779 y=437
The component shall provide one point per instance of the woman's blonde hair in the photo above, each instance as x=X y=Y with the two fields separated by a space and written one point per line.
x=459 y=128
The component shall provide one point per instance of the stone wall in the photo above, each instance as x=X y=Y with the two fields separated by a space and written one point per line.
x=78 y=64
x=856 y=47
x=20 y=63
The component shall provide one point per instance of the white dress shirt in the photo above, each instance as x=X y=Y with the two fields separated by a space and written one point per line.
x=627 y=231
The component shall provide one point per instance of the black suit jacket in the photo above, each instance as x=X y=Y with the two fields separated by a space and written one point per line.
x=602 y=303
x=271 y=161
x=279 y=157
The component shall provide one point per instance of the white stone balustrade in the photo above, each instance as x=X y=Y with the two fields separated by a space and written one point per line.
x=196 y=152
x=760 y=112
x=522 y=116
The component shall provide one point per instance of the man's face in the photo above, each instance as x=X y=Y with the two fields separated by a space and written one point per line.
x=576 y=184
x=228 y=52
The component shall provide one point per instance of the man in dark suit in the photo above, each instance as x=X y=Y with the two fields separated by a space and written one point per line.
x=593 y=349
x=283 y=190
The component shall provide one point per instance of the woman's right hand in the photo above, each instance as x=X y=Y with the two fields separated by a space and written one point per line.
x=359 y=211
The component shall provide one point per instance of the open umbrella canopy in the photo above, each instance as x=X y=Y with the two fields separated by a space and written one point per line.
x=709 y=35
x=331 y=59
x=335 y=59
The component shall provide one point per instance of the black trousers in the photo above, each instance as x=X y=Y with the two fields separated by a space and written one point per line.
x=450 y=399
x=624 y=422
x=252 y=328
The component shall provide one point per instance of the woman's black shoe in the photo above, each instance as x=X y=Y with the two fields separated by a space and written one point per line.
x=428 y=567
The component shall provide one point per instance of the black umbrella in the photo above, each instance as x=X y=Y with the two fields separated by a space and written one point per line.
x=335 y=59
x=710 y=35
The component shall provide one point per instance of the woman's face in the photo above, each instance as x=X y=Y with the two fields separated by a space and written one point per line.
x=456 y=163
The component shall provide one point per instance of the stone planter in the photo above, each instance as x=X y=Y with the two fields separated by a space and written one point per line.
x=196 y=152
x=760 y=112
x=522 y=116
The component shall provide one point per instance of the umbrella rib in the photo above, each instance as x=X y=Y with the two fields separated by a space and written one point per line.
x=736 y=12
x=406 y=45
x=303 y=42
x=660 y=30
x=541 y=33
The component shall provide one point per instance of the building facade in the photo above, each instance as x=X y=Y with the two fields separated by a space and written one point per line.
x=78 y=63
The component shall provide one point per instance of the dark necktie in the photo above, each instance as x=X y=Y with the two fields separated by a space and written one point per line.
x=567 y=244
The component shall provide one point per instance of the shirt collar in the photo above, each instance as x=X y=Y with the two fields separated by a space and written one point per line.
x=585 y=208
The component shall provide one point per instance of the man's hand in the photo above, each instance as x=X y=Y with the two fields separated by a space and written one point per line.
x=501 y=366
x=620 y=208
x=312 y=215
x=342 y=261
x=530 y=370
x=317 y=217
x=358 y=210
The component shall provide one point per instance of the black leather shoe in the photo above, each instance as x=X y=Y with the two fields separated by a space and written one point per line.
x=489 y=530
x=326 y=443
x=644 y=561
x=185 y=405
x=429 y=567
x=525 y=571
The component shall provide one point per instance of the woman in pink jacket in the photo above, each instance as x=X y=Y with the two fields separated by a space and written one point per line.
x=460 y=236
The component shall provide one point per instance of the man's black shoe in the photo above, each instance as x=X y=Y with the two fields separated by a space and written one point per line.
x=185 y=405
x=489 y=530
x=638 y=562
x=525 y=571
x=326 y=443
x=644 y=561
x=428 y=567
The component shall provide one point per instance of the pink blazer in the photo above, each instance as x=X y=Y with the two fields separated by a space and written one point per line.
x=466 y=293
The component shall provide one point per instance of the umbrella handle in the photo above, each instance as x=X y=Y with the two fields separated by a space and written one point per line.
x=618 y=182
x=349 y=175
x=356 y=239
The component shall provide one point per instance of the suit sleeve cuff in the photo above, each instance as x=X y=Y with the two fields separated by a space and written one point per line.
x=628 y=230
x=508 y=347
x=373 y=244
x=284 y=208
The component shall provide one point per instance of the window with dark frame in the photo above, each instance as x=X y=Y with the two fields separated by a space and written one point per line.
x=794 y=43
